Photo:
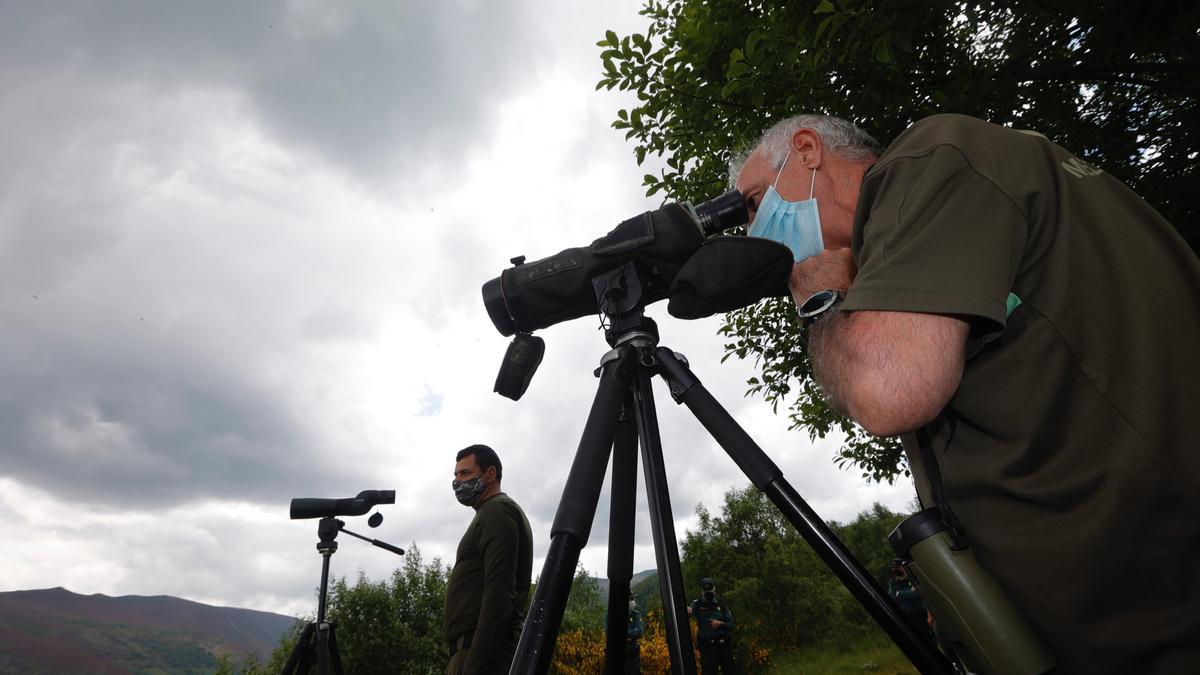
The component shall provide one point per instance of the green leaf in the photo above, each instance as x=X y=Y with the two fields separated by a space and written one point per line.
x=824 y=7
x=821 y=28
x=752 y=42
x=882 y=50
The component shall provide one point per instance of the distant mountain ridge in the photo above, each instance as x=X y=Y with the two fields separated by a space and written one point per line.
x=56 y=631
x=633 y=582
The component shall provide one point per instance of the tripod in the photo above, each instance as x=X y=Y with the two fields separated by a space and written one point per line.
x=318 y=641
x=623 y=417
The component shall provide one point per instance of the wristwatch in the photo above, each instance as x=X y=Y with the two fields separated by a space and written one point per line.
x=819 y=304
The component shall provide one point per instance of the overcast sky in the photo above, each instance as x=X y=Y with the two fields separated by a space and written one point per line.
x=241 y=251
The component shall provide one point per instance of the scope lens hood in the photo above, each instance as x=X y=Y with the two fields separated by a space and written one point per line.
x=915 y=529
x=497 y=309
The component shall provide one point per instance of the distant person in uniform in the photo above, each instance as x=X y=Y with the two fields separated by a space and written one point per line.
x=489 y=585
x=633 y=649
x=903 y=589
x=714 y=626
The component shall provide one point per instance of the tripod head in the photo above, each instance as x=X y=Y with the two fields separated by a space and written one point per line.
x=328 y=529
x=622 y=298
x=622 y=294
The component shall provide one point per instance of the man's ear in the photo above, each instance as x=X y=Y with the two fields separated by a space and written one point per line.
x=806 y=145
x=491 y=473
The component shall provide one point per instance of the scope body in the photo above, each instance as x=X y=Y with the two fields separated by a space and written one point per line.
x=539 y=294
x=975 y=617
x=312 y=507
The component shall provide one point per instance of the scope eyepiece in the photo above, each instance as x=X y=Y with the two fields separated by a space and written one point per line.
x=722 y=213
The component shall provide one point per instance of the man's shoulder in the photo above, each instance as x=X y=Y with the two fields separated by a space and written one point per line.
x=948 y=124
x=967 y=134
x=501 y=506
x=501 y=500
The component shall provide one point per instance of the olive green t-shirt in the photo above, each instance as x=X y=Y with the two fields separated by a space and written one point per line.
x=489 y=585
x=1069 y=451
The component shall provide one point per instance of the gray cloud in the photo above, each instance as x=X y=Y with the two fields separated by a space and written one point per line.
x=241 y=247
x=374 y=86
x=93 y=417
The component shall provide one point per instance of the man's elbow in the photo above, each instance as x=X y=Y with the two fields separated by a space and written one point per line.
x=888 y=424
x=887 y=411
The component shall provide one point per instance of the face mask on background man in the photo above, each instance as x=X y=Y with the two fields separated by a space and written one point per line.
x=467 y=491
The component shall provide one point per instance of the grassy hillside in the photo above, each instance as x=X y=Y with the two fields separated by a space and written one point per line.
x=57 y=631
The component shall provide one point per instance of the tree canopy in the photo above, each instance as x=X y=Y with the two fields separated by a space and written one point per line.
x=380 y=624
x=1117 y=83
x=783 y=596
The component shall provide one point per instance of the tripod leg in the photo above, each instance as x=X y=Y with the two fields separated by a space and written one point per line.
x=297 y=658
x=766 y=476
x=335 y=657
x=323 y=635
x=662 y=523
x=620 y=541
x=572 y=523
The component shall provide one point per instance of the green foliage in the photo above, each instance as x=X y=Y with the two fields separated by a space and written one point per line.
x=1115 y=82
x=783 y=597
x=385 y=626
x=648 y=596
x=872 y=655
x=866 y=537
x=585 y=605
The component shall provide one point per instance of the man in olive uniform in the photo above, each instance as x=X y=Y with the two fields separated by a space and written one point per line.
x=1028 y=326
x=714 y=625
x=489 y=585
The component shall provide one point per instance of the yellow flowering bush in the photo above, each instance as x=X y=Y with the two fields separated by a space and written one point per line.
x=580 y=652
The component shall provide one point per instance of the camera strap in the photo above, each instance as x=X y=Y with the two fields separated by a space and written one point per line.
x=958 y=535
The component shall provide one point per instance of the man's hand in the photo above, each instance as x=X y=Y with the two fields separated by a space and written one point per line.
x=714 y=623
x=828 y=270
x=689 y=609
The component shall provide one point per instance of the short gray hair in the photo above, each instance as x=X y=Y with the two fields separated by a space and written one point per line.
x=838 y=135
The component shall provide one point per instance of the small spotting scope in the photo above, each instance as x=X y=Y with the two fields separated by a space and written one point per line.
x=312 y=507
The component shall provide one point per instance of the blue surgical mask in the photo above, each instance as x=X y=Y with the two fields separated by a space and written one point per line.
x=797 y=225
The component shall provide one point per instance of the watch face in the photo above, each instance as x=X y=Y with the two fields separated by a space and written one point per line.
x=817 y=303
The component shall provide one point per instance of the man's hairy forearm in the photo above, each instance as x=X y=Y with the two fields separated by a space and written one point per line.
x=830 y=363
x=889 y=371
